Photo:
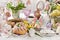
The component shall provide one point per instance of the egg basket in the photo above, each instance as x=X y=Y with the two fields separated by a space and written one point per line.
x=12 y=22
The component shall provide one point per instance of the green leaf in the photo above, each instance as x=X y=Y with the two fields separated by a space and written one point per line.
x=18 y=25
x=9 y=5
x=20 y=6
x=53 y=6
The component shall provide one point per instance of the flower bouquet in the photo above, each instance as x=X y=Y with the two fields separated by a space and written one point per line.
x=55 y=15
x=15 y=9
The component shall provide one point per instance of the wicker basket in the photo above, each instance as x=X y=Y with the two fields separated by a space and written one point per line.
x=12 y=22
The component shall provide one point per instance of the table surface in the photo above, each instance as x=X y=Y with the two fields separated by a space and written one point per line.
x=25 y=37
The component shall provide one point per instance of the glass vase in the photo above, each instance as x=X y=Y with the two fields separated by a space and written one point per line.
x=15 y=14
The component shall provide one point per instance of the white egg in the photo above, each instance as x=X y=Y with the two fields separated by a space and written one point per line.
x=32 y=32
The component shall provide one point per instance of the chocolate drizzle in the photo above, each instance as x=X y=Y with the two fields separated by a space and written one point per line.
x=37 y=14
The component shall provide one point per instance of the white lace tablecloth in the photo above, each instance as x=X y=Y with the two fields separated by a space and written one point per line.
x=56 y=37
